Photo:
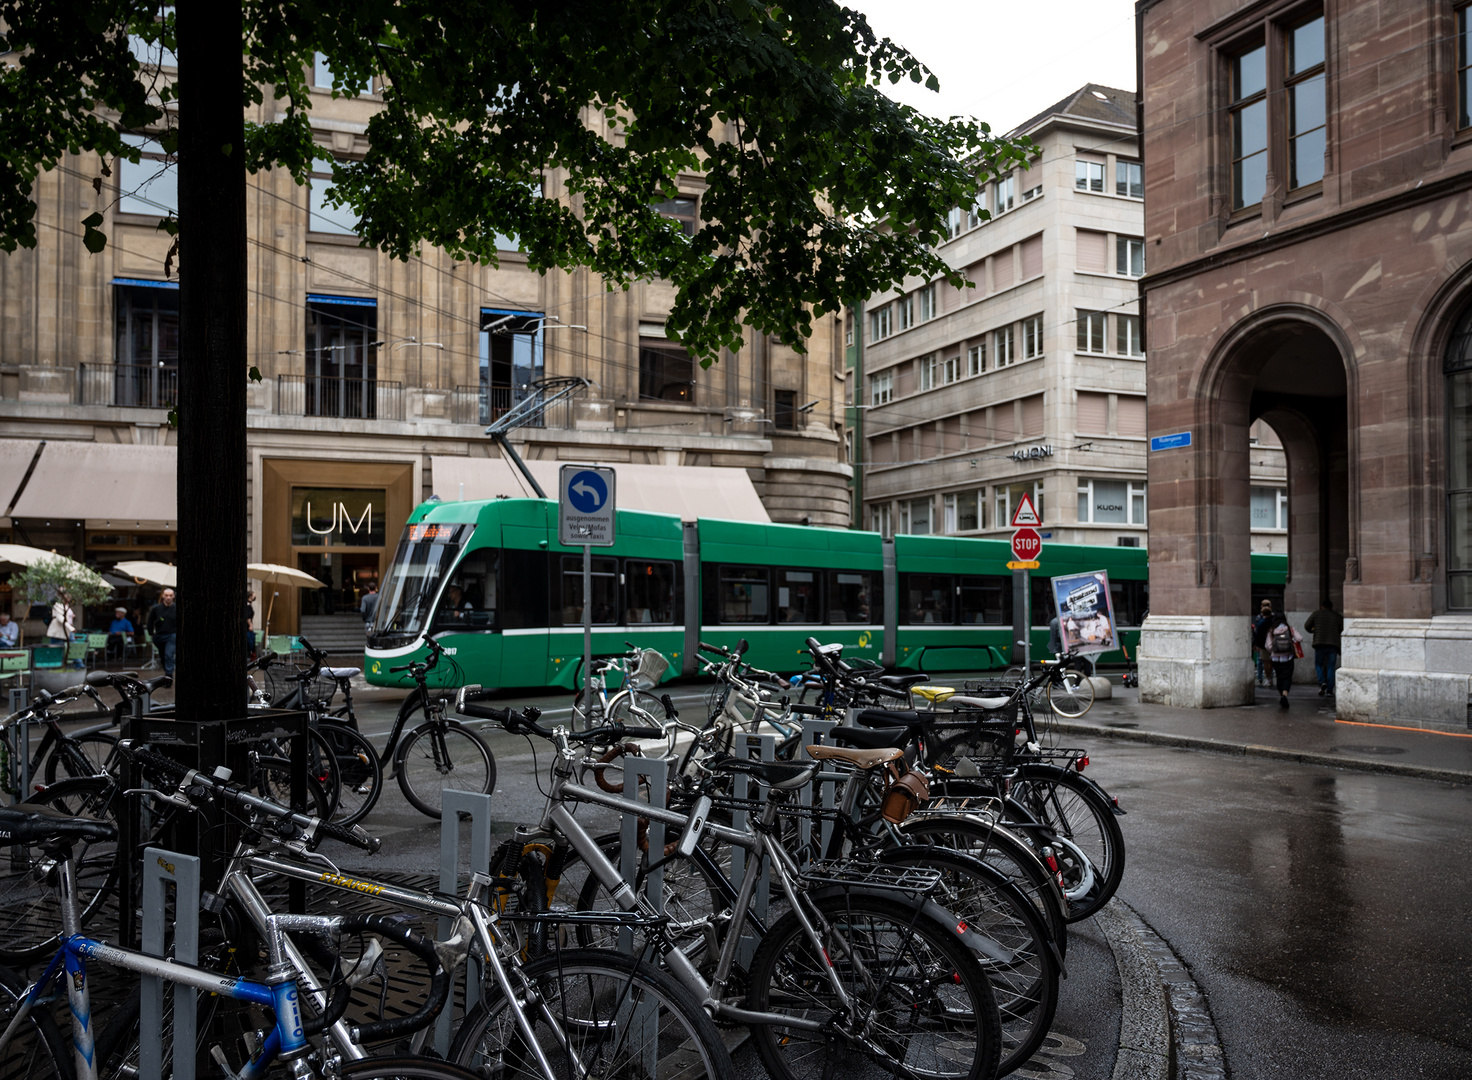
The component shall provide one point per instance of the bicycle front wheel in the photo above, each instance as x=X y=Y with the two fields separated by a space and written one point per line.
x=439 y=756
x=81 y=755
x=593 y=1013
x=404 y=1068
x=923 y=1008
x=1072 y=695
x=359 y=775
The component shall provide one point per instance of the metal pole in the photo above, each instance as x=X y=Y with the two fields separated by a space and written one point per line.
x=1027 y=621
x=587 y=629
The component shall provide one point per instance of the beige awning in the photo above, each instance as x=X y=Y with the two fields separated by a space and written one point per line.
x=15 y=459
x=102 y=481
x=688 y=491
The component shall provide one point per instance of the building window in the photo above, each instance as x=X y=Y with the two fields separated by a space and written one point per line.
x=906 y=307
x=974 y=215
x=929 y=370
x=881 y=388
x=666 y=373
x=953 y=223
x=324 y=213
x=1007 y=499
x=915 y=516
x=1003 y=342
x=1032 y=193
x=879 y=520
x=322 y=78
x=1032 y=337
x=1306 y=106
x=951 y=369
x=1129 y=179
x=1464 y=63
x=881 y=323
x=1458 y=369
x=963 y=511
x=1249 y=110
x=925 y=301
x=341 y=358
x=147 y=349
x=1129 y=256
x=1091 y=331
x=1269 y=508
x=153 y=54
x=511 y=356
x=1006 y=194
x=681 y=210
x=1127 y=340
x=976 y=359
x=848 y=329
x=1088 y=176
x=151 y=186
x=1111 y=502
x=784 y=410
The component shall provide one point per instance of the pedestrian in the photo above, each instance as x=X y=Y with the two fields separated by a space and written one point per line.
x=163 y=626
x=1327 y=627
x=63 y=621
x=119 y=634
x=369 y=604
x=9 y=631
x=1261 y=623
x=1283 y=648
x=1055 y=637
x=250 y=614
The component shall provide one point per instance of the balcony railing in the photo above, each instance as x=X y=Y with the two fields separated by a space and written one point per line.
x=480 y=404
x=339 y=398
x=135 y=386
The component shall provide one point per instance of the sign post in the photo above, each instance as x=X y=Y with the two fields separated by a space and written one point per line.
x=1027 y=545
x=585 y=517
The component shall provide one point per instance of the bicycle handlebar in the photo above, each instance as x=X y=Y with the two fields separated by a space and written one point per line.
x=424 y=949
x=422 y=667
x=525 y=721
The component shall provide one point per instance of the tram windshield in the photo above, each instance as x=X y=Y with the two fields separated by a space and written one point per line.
x=425 y=556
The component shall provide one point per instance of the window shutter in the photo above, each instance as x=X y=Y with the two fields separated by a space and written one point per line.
x=1002 y=426
x=881 y=450
x=1032 y=257
x=1093 y=251
x=1032 y=415
x=1131 y=416
x=1093 y=413
x=1002 y=269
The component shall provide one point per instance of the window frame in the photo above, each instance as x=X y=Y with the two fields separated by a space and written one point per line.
x=674 y=360
x=784 y=410
x=881 y=387
x=1126 y=171
x=1004 y=357
x=1462 y=62
x=1083 y=176
x=1291 y=83
x=881 y=322
x=1086 y=325
x=317 y=193
x=929 y=366
x=925 y=303
x=1134 y=489
x=976 y=359
x=951 y=511
x=1457 y=365
x=669 y=209
x=1129 y=256
x=126 y=187
x=1127 y=342
x=1004 y=195
x=1032 y=337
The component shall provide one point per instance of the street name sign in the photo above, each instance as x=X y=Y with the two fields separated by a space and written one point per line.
x=1171 y=442
x=585 y=506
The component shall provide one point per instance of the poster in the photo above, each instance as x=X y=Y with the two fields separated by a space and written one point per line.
x=1085 y=613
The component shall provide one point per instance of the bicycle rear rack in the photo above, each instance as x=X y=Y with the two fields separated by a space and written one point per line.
x=909 y=879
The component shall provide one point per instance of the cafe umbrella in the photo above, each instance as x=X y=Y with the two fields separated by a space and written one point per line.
x=275 y=575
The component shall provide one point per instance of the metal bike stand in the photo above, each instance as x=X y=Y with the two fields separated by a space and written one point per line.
x=160 y=870
x=20 y=697
x=764 y=748
x=476 y=805
x=656 y=772
x=822 y=792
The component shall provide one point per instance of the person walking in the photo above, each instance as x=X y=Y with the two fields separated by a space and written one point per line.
x=63 y=621
x=1327 y=627
x=163 y=627
x=369 y=604
x=1282 y=643
x=1261 y=623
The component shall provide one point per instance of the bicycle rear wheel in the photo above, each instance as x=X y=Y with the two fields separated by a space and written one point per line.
x=619 y=1016
x=81 y=755
x=359 y=775
x=38 y=1050
x=1074 y=809
x=443 y=755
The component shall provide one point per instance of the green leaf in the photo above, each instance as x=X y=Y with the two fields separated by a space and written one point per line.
x=92 y=220
x=255 y=374
x=94 y=240
x=168 y=141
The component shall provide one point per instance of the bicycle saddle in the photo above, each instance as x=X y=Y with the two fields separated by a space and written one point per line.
x=872 y=738
x=862 y=759
x=341 y=672
x=40 y=823
x=967 y=700
x=903 y=682
x=779 y=775
x=888 y=718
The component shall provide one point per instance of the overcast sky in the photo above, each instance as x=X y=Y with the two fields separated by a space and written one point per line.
x=1003 y=62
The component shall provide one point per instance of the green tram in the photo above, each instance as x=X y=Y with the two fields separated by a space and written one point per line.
x=490 y=581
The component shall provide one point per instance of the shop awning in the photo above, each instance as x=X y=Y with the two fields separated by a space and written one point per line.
x=689 y=491
x=15 y=459
x=102 y=481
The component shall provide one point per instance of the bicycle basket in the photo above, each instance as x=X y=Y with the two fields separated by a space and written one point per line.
x=652 y=666
x=983 y=745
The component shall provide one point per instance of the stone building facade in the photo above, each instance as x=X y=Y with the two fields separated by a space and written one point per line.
x=372 y=368
x=1308 y=231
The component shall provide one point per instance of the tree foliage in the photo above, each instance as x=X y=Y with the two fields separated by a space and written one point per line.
x=562 y=124
x=46 y=579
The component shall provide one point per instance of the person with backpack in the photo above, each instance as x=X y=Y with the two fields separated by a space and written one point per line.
x=1283 y=648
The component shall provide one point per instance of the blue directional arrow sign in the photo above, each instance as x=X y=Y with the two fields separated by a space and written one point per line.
x=586 y=506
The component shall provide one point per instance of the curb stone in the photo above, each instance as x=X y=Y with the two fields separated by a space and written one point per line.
x=1144 y=1024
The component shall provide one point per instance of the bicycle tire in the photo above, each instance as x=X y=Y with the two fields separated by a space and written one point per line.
x=382 y=1067
x=631 y=706
x=271 y=777
x=80 y=755
x=917 y=954
x=38 y=1049
x=592 y=988
x=1024 y=973
x=1072 y=695
x=359 y=774
x=275 y=782
x=1072 y=807
x=425 y=769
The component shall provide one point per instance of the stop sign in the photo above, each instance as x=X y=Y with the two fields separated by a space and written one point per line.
x=1026 y=545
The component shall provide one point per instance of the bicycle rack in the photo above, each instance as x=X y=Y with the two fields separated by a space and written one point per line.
x=656 y=772
x=477 y=806
x=762 y=747
x=825 y=786
x=161 y=869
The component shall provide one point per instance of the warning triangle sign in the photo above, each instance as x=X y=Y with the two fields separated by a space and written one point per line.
x=1025 y=514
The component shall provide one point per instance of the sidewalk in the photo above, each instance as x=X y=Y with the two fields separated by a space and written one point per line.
x=1306 y=732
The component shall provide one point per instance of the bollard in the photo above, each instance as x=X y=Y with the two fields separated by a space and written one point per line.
x=160 y=869
x=477 y=805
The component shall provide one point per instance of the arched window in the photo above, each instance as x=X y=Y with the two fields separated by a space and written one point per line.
x=1458 y=369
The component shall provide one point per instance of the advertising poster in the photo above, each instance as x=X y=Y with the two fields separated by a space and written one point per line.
x=1085 y=612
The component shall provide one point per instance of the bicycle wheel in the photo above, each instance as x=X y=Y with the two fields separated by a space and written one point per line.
x=442 y=755
x=30 y=917
x=404 y=1068
x=82 y=755
x=595 y=1013
x=1022 y=968
x=630 y=706
x=921 y=1001
x=1074 y=809
x=1072 y=695
x=38 y=1049
x=359 y=775
x=271 y=777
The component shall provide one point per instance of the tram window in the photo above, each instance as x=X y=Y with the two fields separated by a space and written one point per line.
x=986 y=601
x=1044 y=606
x=743 y=594
x=927 y=598
x=798 y=600
x=605 y=591
x=469 y=600
x=852 y=598
x=649 y=592
x=1131 y=600
x=523 y=590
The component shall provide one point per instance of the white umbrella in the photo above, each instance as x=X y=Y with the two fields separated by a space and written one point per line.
x=156 y=572
x=276 y=574
x=21 y=555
